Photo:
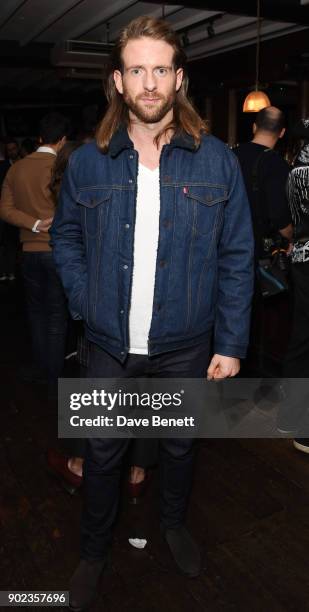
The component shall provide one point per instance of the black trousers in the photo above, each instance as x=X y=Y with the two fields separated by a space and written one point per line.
x=297 y=359
x=47 y=312
x=9 y=243
x=102 y=465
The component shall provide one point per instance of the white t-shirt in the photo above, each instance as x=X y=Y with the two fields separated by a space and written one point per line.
x=145 y=255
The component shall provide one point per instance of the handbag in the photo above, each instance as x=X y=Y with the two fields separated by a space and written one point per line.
x=272 y=273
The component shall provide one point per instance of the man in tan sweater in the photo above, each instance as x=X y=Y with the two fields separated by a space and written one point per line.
x=27 y=203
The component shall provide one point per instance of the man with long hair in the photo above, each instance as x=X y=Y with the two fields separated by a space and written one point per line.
x=153 y=241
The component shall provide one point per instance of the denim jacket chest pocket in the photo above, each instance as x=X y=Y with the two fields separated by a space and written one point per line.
x=94 y=204
x=205 y=207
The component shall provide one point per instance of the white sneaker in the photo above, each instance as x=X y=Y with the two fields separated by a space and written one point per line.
x=302 y=444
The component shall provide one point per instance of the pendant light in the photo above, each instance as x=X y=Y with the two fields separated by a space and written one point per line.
x=256 y=100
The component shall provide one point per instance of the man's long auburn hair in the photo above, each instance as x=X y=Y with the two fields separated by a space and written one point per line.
x=185 y=117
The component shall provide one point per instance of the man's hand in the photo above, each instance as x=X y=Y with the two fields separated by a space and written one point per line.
x=44 y=225
x=222 y=367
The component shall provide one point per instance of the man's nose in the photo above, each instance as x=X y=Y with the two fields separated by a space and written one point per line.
x=149 y=81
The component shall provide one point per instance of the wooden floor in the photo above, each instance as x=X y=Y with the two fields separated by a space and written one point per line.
x=249 y=511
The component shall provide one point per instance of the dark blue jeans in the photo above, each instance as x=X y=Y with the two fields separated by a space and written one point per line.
x=102 y=465
x=47 y=313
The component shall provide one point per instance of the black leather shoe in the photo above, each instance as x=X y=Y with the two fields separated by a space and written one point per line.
x=184 y=550
x=83 y=584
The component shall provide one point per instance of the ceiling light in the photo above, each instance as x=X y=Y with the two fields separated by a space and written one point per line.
x=256 y=100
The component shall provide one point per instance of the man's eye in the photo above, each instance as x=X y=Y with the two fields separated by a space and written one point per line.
x=161 y=71
x=136 y=71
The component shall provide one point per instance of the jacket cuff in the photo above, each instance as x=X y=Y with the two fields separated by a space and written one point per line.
x=239 y=351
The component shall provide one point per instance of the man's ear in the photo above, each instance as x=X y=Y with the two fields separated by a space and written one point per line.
x=282 y=133
x=179 y=78
x=254 y=128
x=118 y=81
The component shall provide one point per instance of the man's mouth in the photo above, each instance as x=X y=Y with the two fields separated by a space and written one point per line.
x=146 y=99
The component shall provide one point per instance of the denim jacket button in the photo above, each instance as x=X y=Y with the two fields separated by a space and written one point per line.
x=121 y=311
x=127 y=226
x=125 y=267
x=130 y=181
x=131 y=156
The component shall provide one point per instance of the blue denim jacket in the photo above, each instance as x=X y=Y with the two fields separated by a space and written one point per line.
x=204 y=269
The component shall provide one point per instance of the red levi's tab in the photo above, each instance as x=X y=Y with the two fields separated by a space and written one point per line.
x=185 y=189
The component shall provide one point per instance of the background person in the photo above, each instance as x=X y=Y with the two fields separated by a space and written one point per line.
x=27 y=203
x=265 y=174
x=12 y=150
x=297 y=359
